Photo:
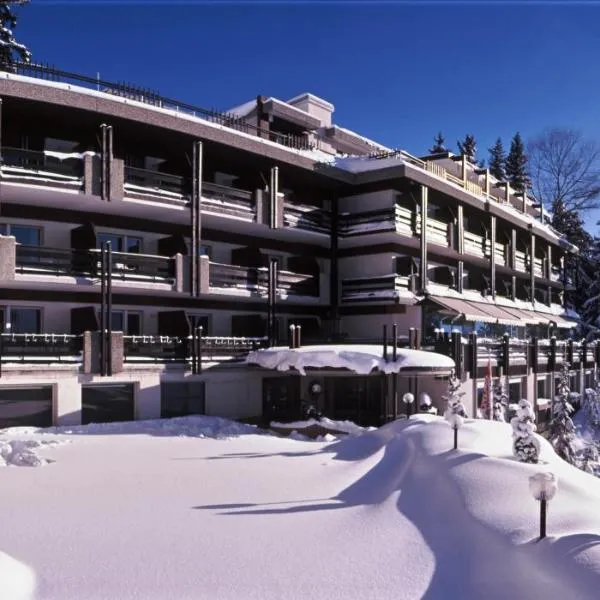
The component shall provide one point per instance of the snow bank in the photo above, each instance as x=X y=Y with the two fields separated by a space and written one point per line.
x=361 y=359
x=23 y=453
x=342 y=426
x=17 y=580
x=200 y=426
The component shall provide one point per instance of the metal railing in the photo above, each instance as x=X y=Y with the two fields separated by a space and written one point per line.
x=222 y=199
x=39 y=260
x=42 y=348
x=153 y=98
x=39 y=164
x=371 y=221
x=377 y=288
x=157 y=181
x=310 y=218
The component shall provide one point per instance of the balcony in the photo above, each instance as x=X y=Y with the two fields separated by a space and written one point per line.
x=538 y=267
x=474 y=244
x=308 y=218
x=394 y=219
x=143 y=349
x=521 y=261
x=438 y=232
x=254 y=281
x=59 y=262
x=142 y=184
x=44 y=348
x=33 y=167
x=501 y=254
x=222 y=200
x=377 y=289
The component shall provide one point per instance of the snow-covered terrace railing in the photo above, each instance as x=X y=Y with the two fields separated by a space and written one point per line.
x=520 y=261
x=310 y=218
x=39 y=260
x=397 y=218
x=234 y=202
x=256 y=279
x=38 y=167
x=538 y=267
x=438 y=232
x=153 y=98
x=43 y=348
x=474 y=244
x=377 y=288
x=180 y=350
x=500 y=254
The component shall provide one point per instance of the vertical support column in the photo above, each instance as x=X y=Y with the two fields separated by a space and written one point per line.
x=548 y=273
x=487 y=182
x=460 y=246
x=532 y=264
x=103 y=161
x=552 y=367
x=513 y=261
x=108 y=342
x=463 y=168
x=274 y=198
x=334 y=293
x=493 y=255
x=473 y=369
x=424 y=201
x=196 y=219
x=109 y=161
x=102 y=309
x=506 y=192
x=272 y=300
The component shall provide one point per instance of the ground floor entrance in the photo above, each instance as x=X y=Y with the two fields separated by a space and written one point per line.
x=26 y=406
x=107 y=403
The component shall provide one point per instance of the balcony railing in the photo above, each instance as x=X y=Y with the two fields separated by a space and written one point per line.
x=167 y=349
x=40 y=348
x=309 y=218
x=474 y=244
x=38 y=260
x=153 y=98
x=38 y=167
x=225 y=200
x=500 y=254
x=373 y=289
x=397 y=218
x=234 y=279
x=538 y=267
x=438 y=232
x=521 y=261
x=165 y=186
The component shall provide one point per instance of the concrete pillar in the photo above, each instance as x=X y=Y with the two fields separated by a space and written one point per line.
x=91 y=352
x=204 y=274
x=179 y=272
x=493 y=255
x=8 y=257
x=424 y=201
x=91 y=175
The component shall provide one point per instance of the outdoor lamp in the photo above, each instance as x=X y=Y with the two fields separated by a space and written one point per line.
x=408 y=399
x=455 y=422
x=543 y=486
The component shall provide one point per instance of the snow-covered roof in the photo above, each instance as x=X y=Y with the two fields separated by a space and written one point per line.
x=359 y=358
x=243 y=109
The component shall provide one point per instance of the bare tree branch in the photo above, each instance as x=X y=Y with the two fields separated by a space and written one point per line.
x=565 y=168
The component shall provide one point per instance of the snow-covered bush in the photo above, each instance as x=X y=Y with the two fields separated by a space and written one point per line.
x=588 y=460
x=561 y=430
x=500 y=399
x=591 y=406
x=453 y=398
x=525 y=445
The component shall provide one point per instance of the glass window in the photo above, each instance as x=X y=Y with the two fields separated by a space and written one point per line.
x=133 y=245
x=27 y=236
x=130 y=323
x=514 y=391
x=541 y=388
x=25 y=320
x=117 y=321
x=121 y=243
x=134 y=324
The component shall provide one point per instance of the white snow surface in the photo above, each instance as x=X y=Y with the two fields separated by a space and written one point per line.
x=243 y=515
x=359 y=358
x=135 y=510
x=17 y=580
x=24 y=453
x=342 y=426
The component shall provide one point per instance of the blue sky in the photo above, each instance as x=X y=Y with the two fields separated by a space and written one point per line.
x=396 y=72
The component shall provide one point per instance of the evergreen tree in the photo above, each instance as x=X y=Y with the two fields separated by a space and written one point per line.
x=589 y=459
x=439 y=144
x=11 y=51
x=500 y=399
x=516 y=165
x=468 y=147
x=497 y=160
x=453 y=398
x=590 y=406
x=526 y=447
x=590 y=308
x=561 y=431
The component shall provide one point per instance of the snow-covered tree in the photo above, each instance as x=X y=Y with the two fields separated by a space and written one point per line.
x=590 y=406
x=516 y=165
x=497 y=160
x=453 y=398
x=500 y=399
x=11 y=51
x=561 y=430
x=589 y=459
x=439 y=144
x=526 y=447
x=590 y=311
x=468 y=147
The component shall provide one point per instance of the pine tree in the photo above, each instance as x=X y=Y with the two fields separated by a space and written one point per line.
x=453 y=398
x=500 y=399
x=439 y=144
x=11 y=51
x=590 y=406
x=561 y=431
x=497 y=160
x=526 y=447
x=589 y=459
x=468 y=147
x=516 y=165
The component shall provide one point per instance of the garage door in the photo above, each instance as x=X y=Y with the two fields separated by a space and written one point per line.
x=26 y=407
x=181 y=398
x=107 y=403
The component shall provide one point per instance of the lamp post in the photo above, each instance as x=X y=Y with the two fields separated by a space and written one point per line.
x=408 y=399
x=543 y=486
x=455 y=421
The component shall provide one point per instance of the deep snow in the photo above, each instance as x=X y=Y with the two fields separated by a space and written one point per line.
x=139 y=511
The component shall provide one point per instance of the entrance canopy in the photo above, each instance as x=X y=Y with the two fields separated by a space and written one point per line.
x=362 y=359
x=485 y=312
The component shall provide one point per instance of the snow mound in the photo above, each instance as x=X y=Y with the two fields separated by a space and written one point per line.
x=22 y=453
x=17 y=580
x=191 y=426
x=342 y=426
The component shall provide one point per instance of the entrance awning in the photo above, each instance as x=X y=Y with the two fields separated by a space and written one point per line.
x=557 y=321
x=462 y=308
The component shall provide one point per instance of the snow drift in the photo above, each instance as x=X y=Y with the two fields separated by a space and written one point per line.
x=17 y=580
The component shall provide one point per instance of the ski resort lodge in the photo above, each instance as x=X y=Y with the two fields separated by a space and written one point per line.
x=160 y=259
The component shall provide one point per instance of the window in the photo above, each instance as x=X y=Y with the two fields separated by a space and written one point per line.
x=197 y=320
x=205 y=251
x=181 y=398
x=541 y=389
x=514 y=391
x=130 y=323
x=121 y=243
x=27 y=236
x=25 y=320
